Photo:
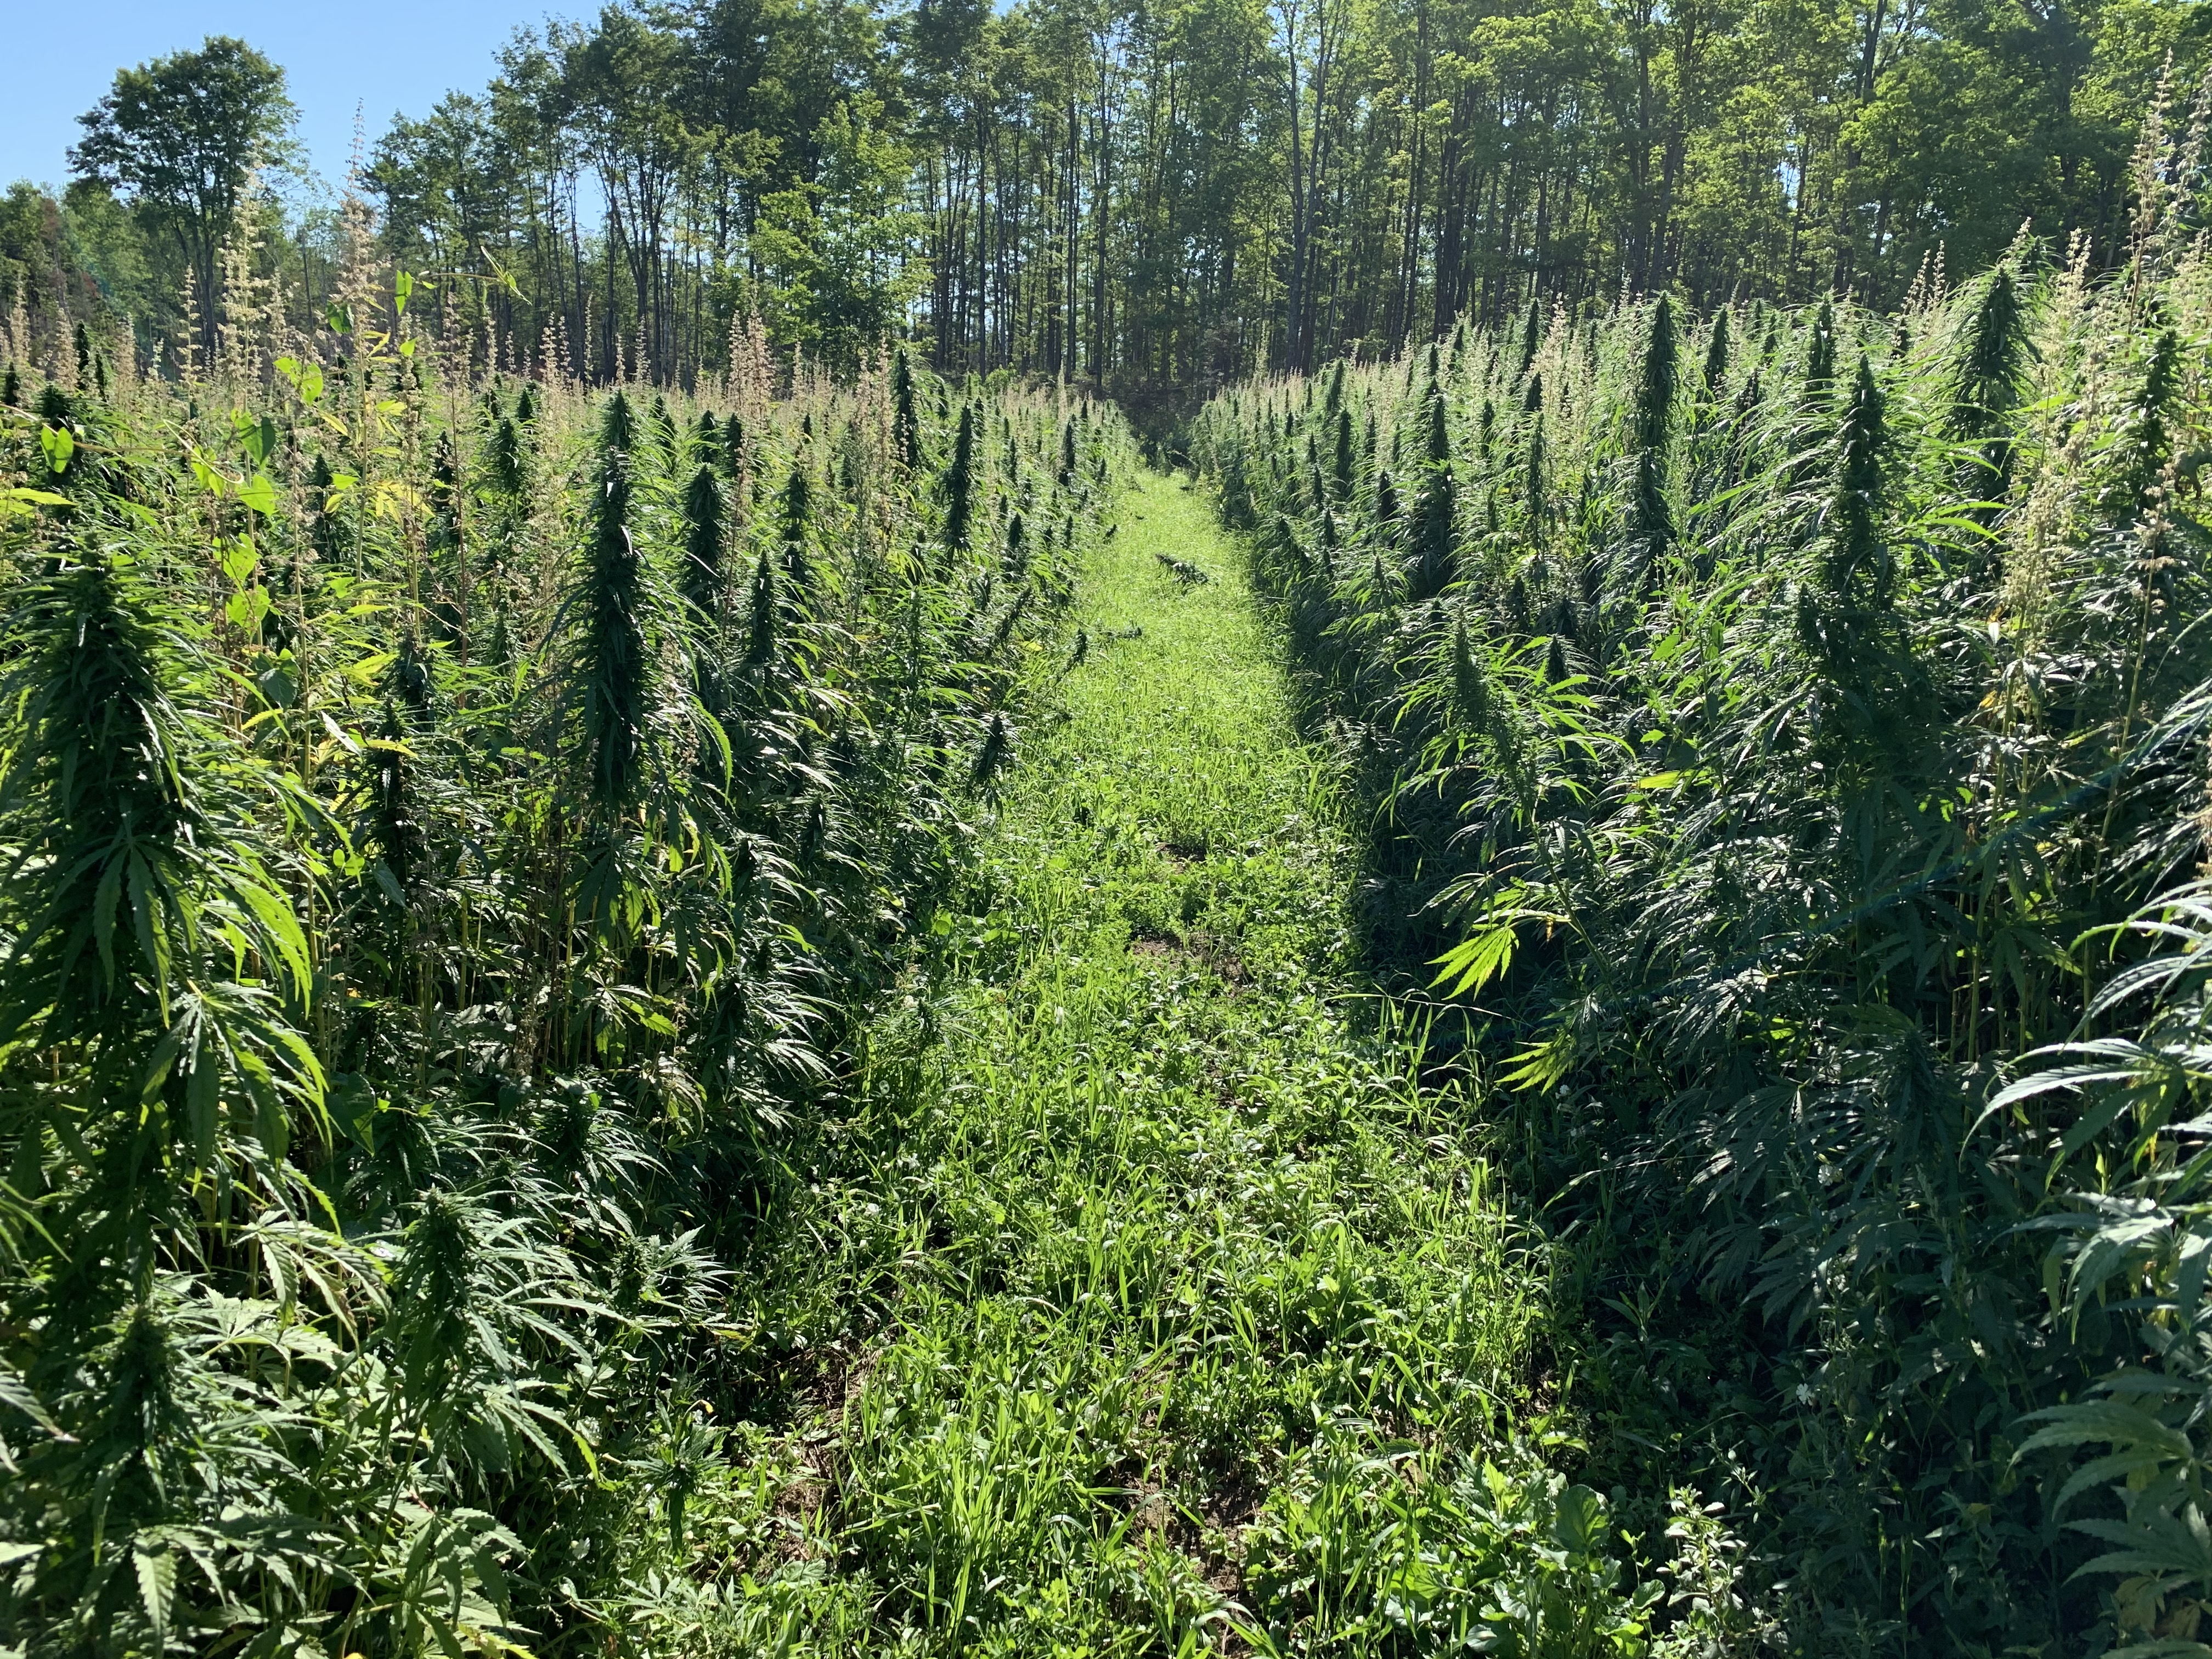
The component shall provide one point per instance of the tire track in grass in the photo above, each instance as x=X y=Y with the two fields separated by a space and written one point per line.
x=1199 y=1328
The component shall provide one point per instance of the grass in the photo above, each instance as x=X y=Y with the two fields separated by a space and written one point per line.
x=1136 y=1304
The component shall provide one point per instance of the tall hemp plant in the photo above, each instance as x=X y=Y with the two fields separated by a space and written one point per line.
x=454 y=825
x=1787 y=803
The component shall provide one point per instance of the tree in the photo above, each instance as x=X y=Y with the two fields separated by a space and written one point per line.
x=445 y=187
x=840 y=248
x=182 y=135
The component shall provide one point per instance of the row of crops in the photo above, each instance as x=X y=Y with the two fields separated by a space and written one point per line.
x=457 y=831
x=448 y=828
x=1784 y=732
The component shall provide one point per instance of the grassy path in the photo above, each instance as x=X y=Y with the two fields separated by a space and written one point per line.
x=1178 y=1317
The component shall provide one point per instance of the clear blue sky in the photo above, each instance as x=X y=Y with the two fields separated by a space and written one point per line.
x=396 y=55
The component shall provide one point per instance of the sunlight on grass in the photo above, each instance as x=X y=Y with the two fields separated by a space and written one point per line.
x=1170 y=1271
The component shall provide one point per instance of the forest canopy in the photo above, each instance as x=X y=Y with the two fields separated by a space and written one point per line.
x=1154 y=199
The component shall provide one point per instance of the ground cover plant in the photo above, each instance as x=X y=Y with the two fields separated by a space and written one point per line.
x=1784 y=736
x=451 y=826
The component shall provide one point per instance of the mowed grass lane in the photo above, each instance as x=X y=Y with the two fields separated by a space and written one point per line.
x=1143 y=1309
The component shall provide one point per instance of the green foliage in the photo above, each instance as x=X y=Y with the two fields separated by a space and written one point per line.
x=1816 y=916
x=960 y=483
x=1994 y=357
x=400 y=1038
x=1656 y=384
x=1221 y=1295
x=906 y=416
x=1377 y=1552
x=702 y=541
x=1857 y=557
x=180 y=135
x=613 y=674
x=840 y=246
x=1820 y=374
x=1434 y=530
x=1151 y=215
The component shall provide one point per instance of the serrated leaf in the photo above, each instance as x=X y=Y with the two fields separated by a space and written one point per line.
x=157 y=1589
x=2108 y=1422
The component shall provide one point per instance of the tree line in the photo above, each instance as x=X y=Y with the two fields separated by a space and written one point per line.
x=1153 y=199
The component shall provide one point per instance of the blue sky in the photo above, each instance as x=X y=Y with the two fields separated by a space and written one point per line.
x=400 y=55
